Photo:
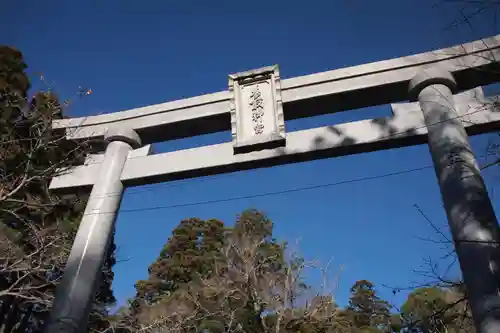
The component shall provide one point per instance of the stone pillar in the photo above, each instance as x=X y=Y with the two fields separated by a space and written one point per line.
x=470 y=214
x=78 y=286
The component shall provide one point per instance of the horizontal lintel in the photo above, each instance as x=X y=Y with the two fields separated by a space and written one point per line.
x=406 y=127
x=342 y=89
x=85 y=175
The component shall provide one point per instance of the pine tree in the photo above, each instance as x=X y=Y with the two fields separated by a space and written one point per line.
x=37 y=226
x=213 y=278
x=367 y=311
x=190 y=254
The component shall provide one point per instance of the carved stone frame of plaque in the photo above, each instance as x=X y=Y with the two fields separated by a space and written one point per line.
x=256 y=110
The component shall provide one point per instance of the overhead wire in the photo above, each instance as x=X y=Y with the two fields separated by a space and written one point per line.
x=258 y=195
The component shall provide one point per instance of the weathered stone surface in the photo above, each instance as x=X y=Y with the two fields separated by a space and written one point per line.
x=303 y=96
x=256 y=109
x=406 y=127
x=470 y=214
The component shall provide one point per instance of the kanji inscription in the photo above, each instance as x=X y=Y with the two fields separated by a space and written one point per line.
x=256 y=110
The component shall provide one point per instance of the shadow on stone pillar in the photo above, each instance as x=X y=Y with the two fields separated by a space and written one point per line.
x=76 y=292
x=471 y=217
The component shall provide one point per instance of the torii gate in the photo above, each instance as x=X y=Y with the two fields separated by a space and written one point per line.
x=255 y=107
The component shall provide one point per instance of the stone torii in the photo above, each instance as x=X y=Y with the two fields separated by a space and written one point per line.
x=436 y=98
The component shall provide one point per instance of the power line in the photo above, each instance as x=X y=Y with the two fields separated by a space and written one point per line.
x=305 y=188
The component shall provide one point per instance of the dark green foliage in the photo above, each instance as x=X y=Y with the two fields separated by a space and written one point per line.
x=189 y=254
x=37 y=227
x=434 y=309
x=420 y=309
x=12 y=72
x=210 y=278
x=213 y=270
x=367 y=311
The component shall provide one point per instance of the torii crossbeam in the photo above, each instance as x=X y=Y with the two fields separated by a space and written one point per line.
x=445 y=104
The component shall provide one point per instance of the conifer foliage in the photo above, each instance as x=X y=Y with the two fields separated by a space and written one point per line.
x=214 y=278
x=37 y=227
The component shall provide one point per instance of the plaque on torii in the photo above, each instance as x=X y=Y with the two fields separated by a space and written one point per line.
x=256 y=109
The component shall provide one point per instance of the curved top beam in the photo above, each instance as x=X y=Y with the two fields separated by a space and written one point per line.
x=304 y=96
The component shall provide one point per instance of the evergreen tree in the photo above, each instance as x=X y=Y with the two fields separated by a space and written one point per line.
x=213 y=278
x=37 y=226
x=435 y=310
x=188 y=257
x=189 y=254
x=368 y=313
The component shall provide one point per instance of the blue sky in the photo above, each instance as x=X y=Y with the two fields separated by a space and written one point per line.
x=134 y=53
